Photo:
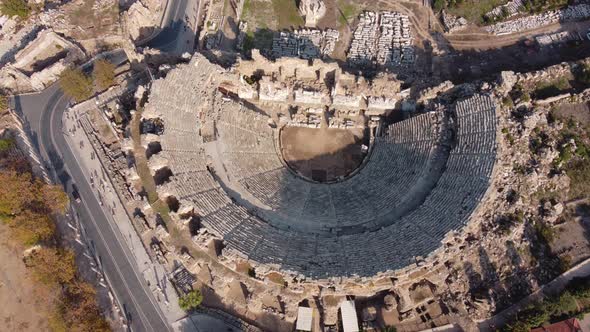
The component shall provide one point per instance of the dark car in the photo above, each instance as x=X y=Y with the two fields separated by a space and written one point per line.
x=76 y=194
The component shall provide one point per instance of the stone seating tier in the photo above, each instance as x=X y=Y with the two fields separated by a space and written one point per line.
x=398 y=206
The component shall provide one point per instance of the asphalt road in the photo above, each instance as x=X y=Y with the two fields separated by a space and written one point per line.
x=42 y=117
x=177 y=34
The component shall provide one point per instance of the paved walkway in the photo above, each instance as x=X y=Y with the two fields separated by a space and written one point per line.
x=154 y=273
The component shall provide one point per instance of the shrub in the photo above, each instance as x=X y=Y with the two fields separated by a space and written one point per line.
x=526 y=97
x=508 y=221
x=565 y=263
x=18 y=8
x=534 y=315
x=6 y=144
x=545 y=232
x=507 y=102
x=517 y=326
x=552 y=88
x=582 y=75
x=565 y=304
x=191 y=301
x=537 y=6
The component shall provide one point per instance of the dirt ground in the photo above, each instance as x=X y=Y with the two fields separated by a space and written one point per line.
x=321 y=154
x=579 y=112
x=572 y=238
x=24 y=305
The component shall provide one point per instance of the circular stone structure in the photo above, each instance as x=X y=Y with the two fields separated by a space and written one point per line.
x=423 y=179
x=322 y=155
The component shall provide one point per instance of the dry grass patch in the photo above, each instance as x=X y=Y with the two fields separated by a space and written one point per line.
x=473 y=10
x=277 y=278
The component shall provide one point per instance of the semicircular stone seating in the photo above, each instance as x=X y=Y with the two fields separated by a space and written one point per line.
x=409 y=194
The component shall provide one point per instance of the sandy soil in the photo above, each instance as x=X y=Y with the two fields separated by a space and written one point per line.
x=324 y=152
x=24 y=305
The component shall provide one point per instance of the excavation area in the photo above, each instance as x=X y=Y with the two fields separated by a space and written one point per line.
x=322 y=154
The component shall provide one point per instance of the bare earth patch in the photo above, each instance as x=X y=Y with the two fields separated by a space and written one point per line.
x=321 y=154
x=25 y=306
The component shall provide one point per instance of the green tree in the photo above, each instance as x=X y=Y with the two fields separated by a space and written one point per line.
x=544 y=232
x=6 y=144
x=191 y=300
x=517 y=327
x=75 y=84
x=565 y=304
x=439 y=5
x=534 y=315
x=103 y=74
x=580 y=287
x=583 y=74
x=18 y=8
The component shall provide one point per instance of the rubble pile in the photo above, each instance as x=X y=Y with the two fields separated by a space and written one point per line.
x=304 y=43
x=102 y=4
x=556 y=38
x=506 y=10
x=310 y=118
x=453 y=23
x=571 y=13
x=382 y=38
x=54 y=18
x=312 y=11
x=142 y=19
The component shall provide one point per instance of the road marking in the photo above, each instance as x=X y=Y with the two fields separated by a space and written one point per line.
x=118 y=236
x=140 y=312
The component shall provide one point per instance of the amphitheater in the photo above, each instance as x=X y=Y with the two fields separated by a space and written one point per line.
x=422 y=178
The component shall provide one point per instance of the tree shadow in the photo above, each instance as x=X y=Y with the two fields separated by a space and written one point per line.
x=516 y=284
x=547 y=265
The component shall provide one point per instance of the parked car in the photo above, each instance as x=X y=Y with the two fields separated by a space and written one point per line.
x=76 y=194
